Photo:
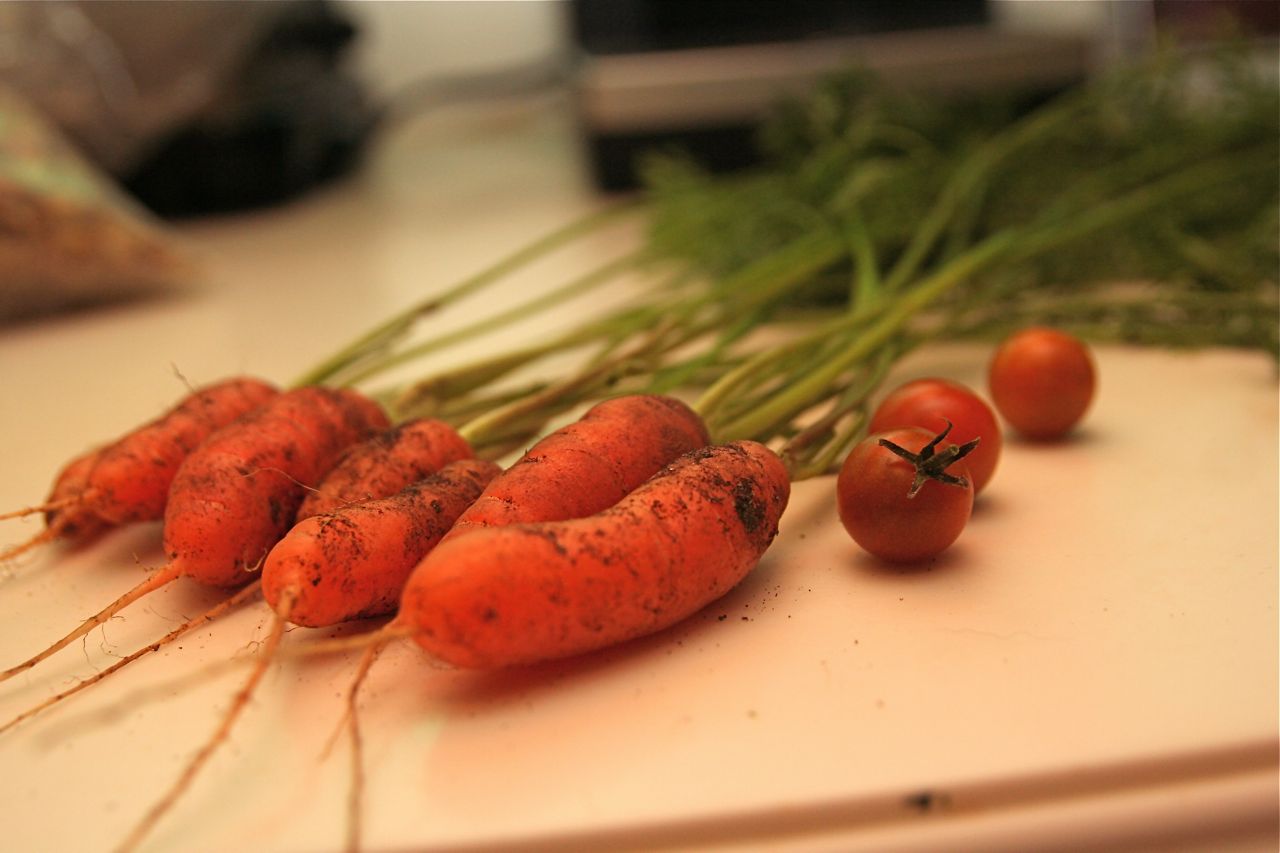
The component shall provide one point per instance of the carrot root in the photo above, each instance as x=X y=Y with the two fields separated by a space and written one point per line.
x=44 y=536
x=391 y=631
x=355 y=797
x=49 y=506
x=209 y=615
x=158 y=579
x=362 y=669
x=241 y=701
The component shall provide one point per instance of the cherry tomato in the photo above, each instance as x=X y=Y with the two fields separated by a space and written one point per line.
x=930 y=404
x=1042 y=381
x=904 y=506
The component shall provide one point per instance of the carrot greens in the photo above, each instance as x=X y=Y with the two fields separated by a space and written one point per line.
x=1139 y=206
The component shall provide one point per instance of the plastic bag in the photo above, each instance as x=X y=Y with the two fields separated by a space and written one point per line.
x=68 y=236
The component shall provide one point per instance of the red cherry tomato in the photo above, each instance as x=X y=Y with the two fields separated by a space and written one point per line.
x=874 y=492
x=1042 y=382
x=930 y=404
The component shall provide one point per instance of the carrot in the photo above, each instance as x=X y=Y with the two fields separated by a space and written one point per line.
x=128 y=480
x=343 y=564
x=236 y=497
x=64 y=512
x=352 y=563
x=237 y=494
x=589 y=464
x=65 y=517
x=523 y=593
x=387 y=463
x=580 y=469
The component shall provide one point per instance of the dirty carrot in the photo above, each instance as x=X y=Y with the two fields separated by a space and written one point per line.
x=339 y=571
x=352 y=563
x=387 y=463
x=128 y=480
x=524 y=593
x=65 y=516
x=589 y=464
x=577 y=470
x=237 y=494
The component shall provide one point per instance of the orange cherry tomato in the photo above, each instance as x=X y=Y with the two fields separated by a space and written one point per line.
x=909 y=505
x=1042 y=382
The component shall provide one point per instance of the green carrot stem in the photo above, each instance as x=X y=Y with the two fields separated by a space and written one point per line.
x=523 y=311
x=852 y=400
x=717 y=397
x=1009 y=245
x=808 y=388
x=431 y=393
x=1188 y=180
x=865 y=287
x=384 y=334
x=556 y=396
x=971 y=173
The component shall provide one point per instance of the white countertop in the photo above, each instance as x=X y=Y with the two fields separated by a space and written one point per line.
x=1095 y=662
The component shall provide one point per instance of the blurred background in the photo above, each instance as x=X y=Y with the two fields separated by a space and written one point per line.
x=205 y=106
x=116 y=115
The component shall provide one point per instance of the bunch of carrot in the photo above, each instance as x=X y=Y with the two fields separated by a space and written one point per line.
x=313 y=497
x=644 y=509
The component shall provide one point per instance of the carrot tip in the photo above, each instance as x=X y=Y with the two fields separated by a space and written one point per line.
x=44 y=536
x=25 y=511
x=49 y=506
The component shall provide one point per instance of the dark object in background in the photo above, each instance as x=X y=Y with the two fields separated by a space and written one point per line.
x=1196 y=20
x=700 y=75
x=290 y=119
x=637 y=26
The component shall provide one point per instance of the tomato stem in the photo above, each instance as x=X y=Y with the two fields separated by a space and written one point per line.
x=931 y=464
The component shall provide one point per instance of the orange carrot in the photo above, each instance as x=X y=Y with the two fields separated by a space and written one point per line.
x=387 y=463
x=523 y=593
x=128 y=480
x=583 y=467
x=65 y=515
x=352 y=563
x=589 y=464
x=237 y=494
x=343 y=565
